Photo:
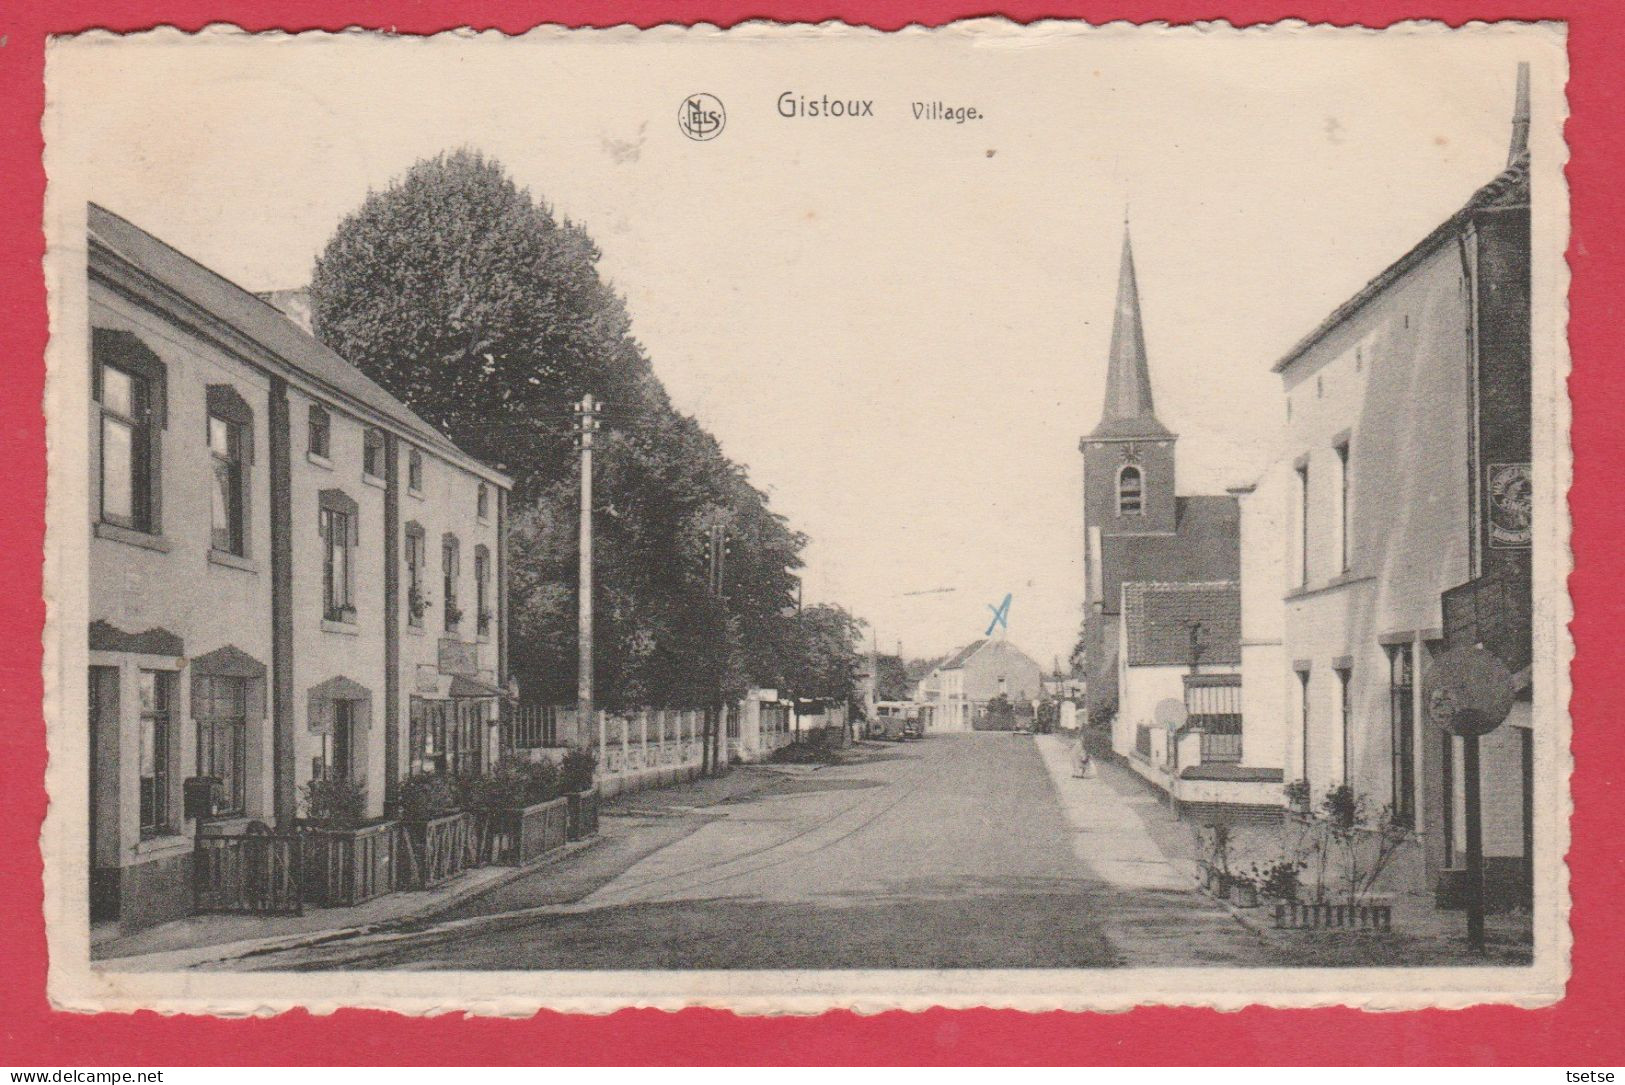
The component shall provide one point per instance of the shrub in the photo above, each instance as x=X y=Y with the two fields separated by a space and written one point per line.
x=335 y=802
x=1277 y=880
x=504 y=788
x=1340 y=808
x=541 y=782
x=1297 y=795
x=576 y=773
x=428 y=796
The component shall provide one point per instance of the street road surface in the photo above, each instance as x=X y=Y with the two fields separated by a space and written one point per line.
x=950 y=852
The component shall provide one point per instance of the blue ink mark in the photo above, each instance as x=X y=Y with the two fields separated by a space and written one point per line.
x=1001 y=616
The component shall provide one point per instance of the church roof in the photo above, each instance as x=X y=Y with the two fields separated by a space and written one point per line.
x=1159 y=618
x=1205 y=546
x=1128 y=410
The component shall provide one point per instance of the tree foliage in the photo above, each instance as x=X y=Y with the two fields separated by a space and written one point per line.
x=470 y=300
x=892 y=682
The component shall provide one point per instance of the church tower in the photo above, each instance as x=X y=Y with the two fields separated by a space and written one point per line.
x=1128 y=460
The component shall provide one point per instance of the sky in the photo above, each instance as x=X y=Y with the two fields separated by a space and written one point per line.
x=899 y=325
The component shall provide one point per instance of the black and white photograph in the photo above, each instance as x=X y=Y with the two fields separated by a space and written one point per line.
x=798 y=517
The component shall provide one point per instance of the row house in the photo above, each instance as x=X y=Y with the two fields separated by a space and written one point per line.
x=1403 y=510
x=292 y=575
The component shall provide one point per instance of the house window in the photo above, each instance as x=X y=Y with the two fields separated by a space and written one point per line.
x=221 y=710
x=372 y=453
x=1401 y=698
x=340 y=533
x=1345 y=710
x=226 y=494
x=1303 y=525
x=427 y=736
x=157 y=703
x=482 y=503
x=1303 y=722
x=416 y=602
x=126 y=430
x=1343 y=525
x=448 y=587
x=414 y=471
x=319 y=434
x=338 y=758
x=482 y=569
x=1129 y=498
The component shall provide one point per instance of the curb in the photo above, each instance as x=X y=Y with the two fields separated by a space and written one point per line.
x=219 y=952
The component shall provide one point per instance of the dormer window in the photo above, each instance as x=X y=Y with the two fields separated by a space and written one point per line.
x=1130 y=497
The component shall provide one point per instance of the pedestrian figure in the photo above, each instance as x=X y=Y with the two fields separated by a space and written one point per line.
x=1083 y=767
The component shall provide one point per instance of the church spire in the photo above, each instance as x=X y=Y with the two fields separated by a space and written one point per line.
x=1128 y=410
x=1520 y=117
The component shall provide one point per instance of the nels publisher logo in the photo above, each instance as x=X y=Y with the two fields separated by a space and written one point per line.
x=701 y=116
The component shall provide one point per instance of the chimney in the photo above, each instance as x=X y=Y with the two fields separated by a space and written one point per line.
x=293 y=304
x=1520 y=116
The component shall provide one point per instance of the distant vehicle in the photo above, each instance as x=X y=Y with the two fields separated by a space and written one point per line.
x=896 y=721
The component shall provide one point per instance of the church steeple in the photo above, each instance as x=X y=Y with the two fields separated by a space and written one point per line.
x=1128 y=410
x=1520 y=117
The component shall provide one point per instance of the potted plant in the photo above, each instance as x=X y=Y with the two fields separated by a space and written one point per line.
x=518 y=810
x=344 y=858
x=575 y=782
x=440 y=840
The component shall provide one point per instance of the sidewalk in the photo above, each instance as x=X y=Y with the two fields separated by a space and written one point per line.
x=1111 y=824
x=1129 y=838
x=631 y=825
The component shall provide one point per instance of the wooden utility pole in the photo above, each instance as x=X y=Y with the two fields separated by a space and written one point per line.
x=587 y=425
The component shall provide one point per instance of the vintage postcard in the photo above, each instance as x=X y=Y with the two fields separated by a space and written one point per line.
x=795 y=517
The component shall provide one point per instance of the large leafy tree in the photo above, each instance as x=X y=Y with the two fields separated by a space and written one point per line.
x=470 y=300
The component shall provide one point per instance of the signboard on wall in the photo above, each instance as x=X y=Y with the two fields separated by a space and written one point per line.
x=1510 y=493
x=459 y=657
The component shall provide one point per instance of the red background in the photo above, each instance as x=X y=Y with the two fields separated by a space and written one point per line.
x=1584 y=1028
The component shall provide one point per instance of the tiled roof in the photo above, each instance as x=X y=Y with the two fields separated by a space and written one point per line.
x=1159 y=618
x=958 y=659
x=265 y=325
x=1510 y=188
x=1206 y=545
